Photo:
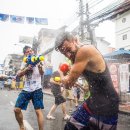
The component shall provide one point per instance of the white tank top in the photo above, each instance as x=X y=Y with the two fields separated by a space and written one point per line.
x=33 y=80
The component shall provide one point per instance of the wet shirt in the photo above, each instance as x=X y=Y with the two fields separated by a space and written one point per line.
x=55 y=88
x=104 y=99
x=32 y=79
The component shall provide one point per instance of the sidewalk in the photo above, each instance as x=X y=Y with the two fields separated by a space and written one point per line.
x=123 y=108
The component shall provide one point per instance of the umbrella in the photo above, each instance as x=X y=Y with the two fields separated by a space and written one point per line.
x=121 y=53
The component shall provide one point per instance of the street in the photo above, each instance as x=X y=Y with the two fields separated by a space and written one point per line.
x=8 y=121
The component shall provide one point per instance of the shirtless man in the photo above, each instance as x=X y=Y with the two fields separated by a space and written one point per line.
x=100 y=110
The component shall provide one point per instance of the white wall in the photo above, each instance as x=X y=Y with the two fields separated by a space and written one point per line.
x=122 y=28
x=102 y=45
x=56 y=59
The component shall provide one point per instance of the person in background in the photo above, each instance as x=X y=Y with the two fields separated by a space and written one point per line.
x=59 y=99
x=9 y=83
x=32 y=91
x=3 y=78
x=84 y=87
x=17 y=82
x=86 y=90
x=1 y=83
x=76 y=94
x=67 y=93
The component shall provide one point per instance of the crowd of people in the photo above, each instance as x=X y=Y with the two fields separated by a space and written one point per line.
x=10 y=82
x=5 y=81
x=99 y=110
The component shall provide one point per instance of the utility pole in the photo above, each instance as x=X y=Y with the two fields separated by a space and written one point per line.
x=35 y=44
x=90 y=29
x=81 y=22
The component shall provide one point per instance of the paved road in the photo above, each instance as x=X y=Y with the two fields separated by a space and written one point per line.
x=8 y=122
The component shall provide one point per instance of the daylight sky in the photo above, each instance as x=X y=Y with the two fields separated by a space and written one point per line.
x=58 y=13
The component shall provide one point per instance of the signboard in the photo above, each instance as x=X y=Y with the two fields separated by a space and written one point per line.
x=124 y=77
x=114 y=75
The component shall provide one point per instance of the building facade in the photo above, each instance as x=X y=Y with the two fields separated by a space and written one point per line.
x=12 y=64
x=122 y=30
x=1 y=68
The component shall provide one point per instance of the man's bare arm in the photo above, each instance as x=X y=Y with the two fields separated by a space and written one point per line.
x=81 y=61
x=22 y=72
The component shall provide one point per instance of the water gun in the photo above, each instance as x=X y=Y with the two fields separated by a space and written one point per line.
x=64 y=67
x=33 y=60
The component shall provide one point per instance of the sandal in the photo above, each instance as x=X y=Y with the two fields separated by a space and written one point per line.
x=70 y=111
x=67 y=117
x=49 y=117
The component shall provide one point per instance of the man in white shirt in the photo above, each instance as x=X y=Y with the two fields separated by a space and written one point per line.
x=32 y=91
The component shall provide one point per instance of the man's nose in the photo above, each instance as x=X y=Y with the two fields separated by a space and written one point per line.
x=30 y=52
x=68 y=54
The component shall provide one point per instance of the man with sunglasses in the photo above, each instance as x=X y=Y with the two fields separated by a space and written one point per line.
x=32 y=91
x=100 y=110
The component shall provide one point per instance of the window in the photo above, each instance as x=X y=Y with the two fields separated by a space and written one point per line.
x=123 y=20
x=124 y=37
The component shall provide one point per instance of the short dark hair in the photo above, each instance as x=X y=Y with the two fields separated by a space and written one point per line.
x=25 y=48
x=62 y=37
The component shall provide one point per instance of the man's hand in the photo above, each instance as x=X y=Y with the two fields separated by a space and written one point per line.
x=40 y=65
x=24 y=70
x=29 y=67
x=40 y=68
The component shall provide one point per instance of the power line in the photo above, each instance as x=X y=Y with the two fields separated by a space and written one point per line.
x=107 y=11
x=101 y=15
x=120 y=9
x=92 y=1
x=104 y=9
x=96 y=3
x=76 y=18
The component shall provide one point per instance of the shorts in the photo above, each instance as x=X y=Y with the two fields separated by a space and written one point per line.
x=59 y=99
x=17 y=84
x=67 y=93
x=85 y=119
x=24 y=97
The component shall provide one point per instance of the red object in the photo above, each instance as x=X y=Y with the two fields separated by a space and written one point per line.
x=64 y=67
